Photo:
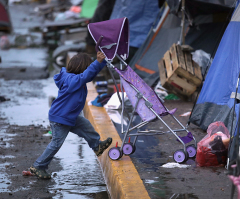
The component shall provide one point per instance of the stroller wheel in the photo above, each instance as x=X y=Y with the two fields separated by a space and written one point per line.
x=115 y=153
x=192 y=151
x=180 y=156
x=128 y=148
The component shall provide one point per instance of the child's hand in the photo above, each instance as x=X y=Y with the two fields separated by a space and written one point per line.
x=100 y=56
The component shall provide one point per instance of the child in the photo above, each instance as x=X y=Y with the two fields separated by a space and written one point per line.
x=64 y=112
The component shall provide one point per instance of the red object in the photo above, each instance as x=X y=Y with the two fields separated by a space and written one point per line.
x=129 y=140
x=76 y=9
x=116 y=144
x=27 y=173
x=119 y=88
x=212 y=149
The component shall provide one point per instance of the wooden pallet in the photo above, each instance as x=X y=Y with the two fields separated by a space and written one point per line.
x=178 y=72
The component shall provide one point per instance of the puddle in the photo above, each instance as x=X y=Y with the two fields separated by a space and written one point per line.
x=150 y=181
x=81 y=174
x=183 y=196
x=4 y=181
x=37 y=107
x=38 y=57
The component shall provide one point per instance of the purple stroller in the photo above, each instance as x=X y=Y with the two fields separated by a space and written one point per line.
x=112 y=38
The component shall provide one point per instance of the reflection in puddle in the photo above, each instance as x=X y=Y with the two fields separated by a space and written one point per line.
x=4 y=180
x=27 y=94
x=81 y=173
x=81 y=176
x=150 y=181
x=183 y=196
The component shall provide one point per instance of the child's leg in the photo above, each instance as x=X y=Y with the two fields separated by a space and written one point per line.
x=59 y=134
x=84 y=129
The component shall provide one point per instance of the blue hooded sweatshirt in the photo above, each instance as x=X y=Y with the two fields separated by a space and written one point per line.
x=72 y=93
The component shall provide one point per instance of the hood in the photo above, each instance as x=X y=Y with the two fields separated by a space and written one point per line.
x=60 y=78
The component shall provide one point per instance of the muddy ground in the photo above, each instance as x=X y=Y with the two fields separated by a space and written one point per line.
x=192 y=182
x=24 y=124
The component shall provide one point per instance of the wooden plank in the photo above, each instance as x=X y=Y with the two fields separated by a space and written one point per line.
x=188 y=61
x=162 y=71
x=168 y=64
x=197 y=70
x=190 y=77
x=183 y=95
x=181 y=57
x=182 y=83
x=173 y=52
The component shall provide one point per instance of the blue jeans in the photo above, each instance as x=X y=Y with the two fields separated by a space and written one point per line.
x=83 y=128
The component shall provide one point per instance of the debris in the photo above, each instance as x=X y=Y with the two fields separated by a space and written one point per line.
x=212 y=150
x=114 y=102
x=174 y=165
x=160 y=91
x=49 y=133
x=171 y=97
x=27 y=173
x=186 y=114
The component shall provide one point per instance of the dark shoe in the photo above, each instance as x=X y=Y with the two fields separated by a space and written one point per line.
x=41 y=173
x=103 y=145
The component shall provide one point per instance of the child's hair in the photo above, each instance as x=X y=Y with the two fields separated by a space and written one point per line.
x=79 y=63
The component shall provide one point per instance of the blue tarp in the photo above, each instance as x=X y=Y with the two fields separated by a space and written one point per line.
x=141 y=15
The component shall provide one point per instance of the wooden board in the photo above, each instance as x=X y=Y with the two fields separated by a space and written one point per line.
x=173 y=52
x=178 y=72
x=162 y=71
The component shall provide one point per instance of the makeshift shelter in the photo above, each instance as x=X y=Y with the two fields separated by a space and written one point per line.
x=141 y=15
x=5 y=21
x=216 y=100
x=203 y=32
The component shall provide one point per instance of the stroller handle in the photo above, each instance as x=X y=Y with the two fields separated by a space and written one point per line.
x=98 y=43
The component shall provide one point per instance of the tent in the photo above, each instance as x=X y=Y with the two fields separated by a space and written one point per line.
x=141 y=15
x=5 y=21
x=217 y=98
x=203 y=33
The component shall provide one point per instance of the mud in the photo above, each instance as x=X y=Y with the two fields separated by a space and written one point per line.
x=192 y=182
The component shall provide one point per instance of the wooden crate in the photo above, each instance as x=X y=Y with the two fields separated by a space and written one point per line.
x=178 y=72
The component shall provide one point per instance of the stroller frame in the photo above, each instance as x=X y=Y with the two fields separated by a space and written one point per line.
x=128 y=148
x=149 y=107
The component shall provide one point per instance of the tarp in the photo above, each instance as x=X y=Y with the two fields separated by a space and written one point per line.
x=215 y=102
x=204 y=34
x=141 y=15
x=88 y=8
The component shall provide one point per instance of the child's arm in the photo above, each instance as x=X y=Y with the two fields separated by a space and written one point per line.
x=79 y=80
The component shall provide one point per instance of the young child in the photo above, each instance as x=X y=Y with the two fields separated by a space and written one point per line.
x=64 y=112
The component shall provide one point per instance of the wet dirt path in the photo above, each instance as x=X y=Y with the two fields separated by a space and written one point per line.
x=24 y=126
x=154 y=152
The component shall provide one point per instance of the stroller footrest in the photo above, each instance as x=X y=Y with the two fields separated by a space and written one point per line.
x=186 y=139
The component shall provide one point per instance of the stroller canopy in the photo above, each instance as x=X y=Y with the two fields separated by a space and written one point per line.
x=115 y=35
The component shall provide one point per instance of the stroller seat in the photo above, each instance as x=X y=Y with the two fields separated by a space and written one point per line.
x=129 y=77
